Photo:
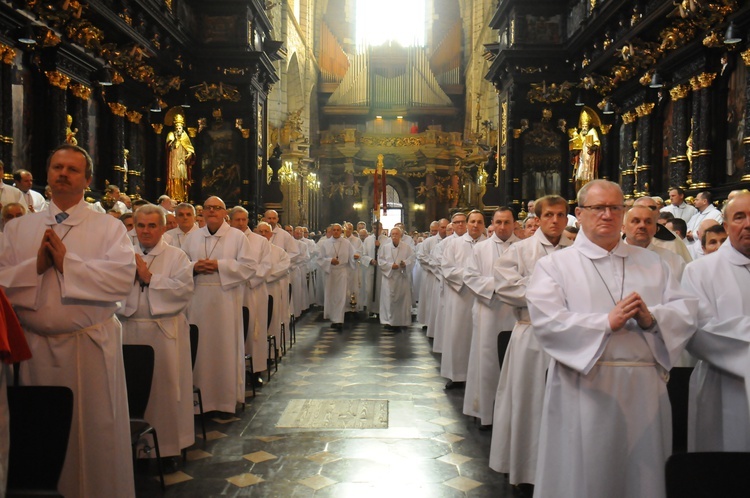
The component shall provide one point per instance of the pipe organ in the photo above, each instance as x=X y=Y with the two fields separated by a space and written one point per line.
x=370 y=83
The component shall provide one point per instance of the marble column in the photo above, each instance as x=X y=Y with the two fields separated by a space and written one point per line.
x=157 y=172
x=701 y=130
x=678 y=160
x=643 y=174
x=606 y=170
x=627 y=154
x=57 y=106
x=515 y=157
x=80 y=113
x=746 y=140
x=6 y=106
x=132 y=176
x=117 y=142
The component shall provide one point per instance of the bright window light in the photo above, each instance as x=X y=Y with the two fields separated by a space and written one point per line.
x=383 y=21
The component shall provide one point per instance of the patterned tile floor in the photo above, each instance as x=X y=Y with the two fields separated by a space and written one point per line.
x=430 y=449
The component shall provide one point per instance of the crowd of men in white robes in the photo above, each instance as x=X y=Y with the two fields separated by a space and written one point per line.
x=83 y=283
x=601 y=306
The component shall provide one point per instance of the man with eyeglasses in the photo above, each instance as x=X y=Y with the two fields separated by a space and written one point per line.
x=614 y=320
x=223 y=262
x=520 y=390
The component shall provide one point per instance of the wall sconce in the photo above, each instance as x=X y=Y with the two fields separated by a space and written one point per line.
x=732 y=35
x=418 y=207
x=155 y=106
x=656 y=81
x=27 y=36
x=357 y=206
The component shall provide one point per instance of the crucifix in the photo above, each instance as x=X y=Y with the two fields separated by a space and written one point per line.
x=379 y=183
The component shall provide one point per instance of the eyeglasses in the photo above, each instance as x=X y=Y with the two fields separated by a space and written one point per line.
x=601 y=209
x=213 y=208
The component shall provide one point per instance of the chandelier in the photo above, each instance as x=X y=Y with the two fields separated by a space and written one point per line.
x=312 y=182
x=287 y=174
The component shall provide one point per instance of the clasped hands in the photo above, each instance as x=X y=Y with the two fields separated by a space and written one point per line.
x=142 y=273
x=206 y=266
x=396 y=266
x=334 y=261
x=51 y=253
x=631 y=306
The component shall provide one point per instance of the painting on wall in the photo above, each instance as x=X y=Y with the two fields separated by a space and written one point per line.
x=221 y=155
x=736 y=99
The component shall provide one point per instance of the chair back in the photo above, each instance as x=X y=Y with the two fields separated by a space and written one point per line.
x=194 y=335
x=139 y=372
x=40 y=418
x=245 y=322
x=503 y=339
x=678 y=389
x=708 y=475
x=270 y=311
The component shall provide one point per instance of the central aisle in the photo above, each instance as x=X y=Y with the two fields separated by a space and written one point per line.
x=429 y=448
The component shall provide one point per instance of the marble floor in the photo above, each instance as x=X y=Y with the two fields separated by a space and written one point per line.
x=429 y=448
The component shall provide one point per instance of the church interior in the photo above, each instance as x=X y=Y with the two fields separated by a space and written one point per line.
x=330 y=110
x=293 y=104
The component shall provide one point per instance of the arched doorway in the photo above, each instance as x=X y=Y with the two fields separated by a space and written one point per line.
x=395 y=212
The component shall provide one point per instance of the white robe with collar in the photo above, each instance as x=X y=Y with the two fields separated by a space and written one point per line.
x=436 y=321
x=216 y=308
x=337 y=277
x=719 y=415
x=458 y=303
x=372 y=271
x=491 y=316
x=428 y=278
x=606 y=428
x=684 y=211
x=354 y=285
x=298 y=277
x=154 y=315
x=177 y=236
x=520 y=388
x=256 y=301
x=395 y=295
x=279 y=270
x=75 y=338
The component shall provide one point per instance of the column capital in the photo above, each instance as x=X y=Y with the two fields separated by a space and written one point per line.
x=679 y=92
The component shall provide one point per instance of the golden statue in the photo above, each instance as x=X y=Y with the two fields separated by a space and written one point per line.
x=585 y=142
x=70 y=133
x=180 y=154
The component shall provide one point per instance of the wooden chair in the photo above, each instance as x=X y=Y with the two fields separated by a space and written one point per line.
x=678 y=389
x=139 y=372
x=503 y=339
x=194 y=337
x=271 y=342
x=248 y=357
x=708 y=475
x=40 y=418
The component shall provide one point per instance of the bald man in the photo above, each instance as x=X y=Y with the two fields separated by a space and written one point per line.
x=639 y=227
x=719 y=408
x=223 y=262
